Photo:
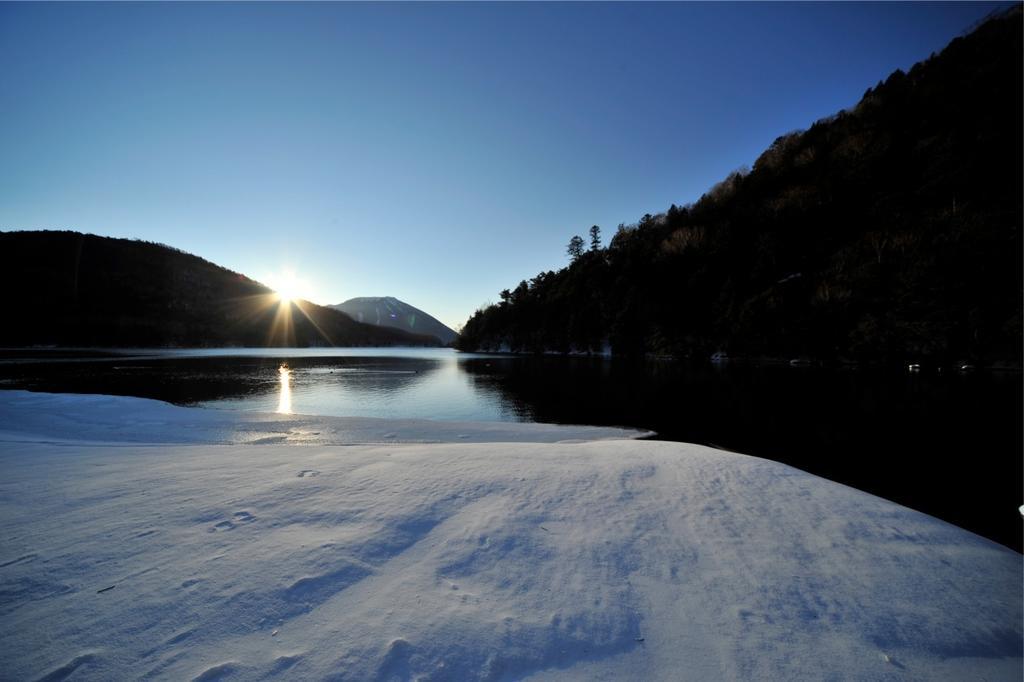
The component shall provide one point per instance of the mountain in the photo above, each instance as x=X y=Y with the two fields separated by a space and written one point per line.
x=889 y=232
x=74 y=289
x=387 y=311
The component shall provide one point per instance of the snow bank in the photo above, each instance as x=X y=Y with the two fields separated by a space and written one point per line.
x=26 y=415
x=618 y=559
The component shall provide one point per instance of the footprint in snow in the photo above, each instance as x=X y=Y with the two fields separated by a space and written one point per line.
x=239 y=517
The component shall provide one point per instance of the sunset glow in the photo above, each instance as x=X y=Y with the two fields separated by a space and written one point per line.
x=288 y=287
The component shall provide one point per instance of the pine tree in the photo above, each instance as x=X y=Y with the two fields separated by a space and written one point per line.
x=575 y=248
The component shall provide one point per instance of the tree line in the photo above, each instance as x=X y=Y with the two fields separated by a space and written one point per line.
x=888 y=232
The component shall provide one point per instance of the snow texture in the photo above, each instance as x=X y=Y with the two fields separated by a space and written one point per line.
x=603 y=560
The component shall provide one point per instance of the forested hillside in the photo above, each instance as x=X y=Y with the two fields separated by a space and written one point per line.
x=888 y=232
x=73 y=289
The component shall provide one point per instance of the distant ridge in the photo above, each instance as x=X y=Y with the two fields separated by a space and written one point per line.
x=72 y=289
x=388 y=311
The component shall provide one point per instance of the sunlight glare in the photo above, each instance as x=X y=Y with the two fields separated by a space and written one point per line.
x=284 y=403
x=288 y=287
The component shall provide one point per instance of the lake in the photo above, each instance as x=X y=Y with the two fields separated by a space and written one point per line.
x=948 y=444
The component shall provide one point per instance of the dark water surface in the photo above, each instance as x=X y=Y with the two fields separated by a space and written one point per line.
x=949 y=444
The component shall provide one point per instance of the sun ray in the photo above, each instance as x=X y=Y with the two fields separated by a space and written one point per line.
x=279 y=307
x=289 y=287
x=301 y=305
x=282 y=329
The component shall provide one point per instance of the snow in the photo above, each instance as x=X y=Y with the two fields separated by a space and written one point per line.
x=119 y=419
x=606 y=559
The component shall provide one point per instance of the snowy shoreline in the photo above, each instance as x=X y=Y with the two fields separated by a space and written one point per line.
x=505 y=553
x=56 y=417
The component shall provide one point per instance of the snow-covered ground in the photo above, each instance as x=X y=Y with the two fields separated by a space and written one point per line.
x=609 y=559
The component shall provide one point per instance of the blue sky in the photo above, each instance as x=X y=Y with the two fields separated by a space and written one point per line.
x=433 y=152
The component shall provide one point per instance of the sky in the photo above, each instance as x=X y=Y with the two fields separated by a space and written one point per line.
x=438 y=153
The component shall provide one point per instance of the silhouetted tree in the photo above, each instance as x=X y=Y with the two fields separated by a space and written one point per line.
x=595 y=237
x=575 y=248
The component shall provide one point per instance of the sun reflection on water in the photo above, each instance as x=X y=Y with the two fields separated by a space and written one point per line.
x=284 y=403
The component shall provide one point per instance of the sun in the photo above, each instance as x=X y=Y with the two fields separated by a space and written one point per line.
x=288 y=287
x=286 y=292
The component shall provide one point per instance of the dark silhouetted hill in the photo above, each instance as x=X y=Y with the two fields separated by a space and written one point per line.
x=72 y=289
x=888 y=232
x=387 y=311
